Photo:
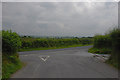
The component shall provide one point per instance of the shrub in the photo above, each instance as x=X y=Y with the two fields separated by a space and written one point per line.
x=115 y=37
x=10 y=42
x=102 y=41
x=109 y=43
x=10 y=59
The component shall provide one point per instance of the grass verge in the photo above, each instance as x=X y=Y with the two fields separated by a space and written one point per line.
x=100 y=50
x=110 y=61
x=48 y=48
x=10 y=64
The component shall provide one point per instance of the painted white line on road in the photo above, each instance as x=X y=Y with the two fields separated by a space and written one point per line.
x=44 y=58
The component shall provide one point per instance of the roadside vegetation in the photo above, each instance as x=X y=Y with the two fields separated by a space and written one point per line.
x=108 y=44
x=10 y=58
x=102 y=44
x=30 y=43
x=0 y=54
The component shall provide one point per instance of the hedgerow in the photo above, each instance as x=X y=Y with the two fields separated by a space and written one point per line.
x=53 y=42
x=102 y=41
x=10 y=59
x=115 y=55
x=108 y=44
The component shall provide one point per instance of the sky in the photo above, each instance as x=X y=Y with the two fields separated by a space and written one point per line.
x=59 y=18
x=0 y=16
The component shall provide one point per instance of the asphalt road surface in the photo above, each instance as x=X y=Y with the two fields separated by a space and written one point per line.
x=64 y=63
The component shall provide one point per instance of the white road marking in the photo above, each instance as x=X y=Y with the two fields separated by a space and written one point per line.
x=44 y=58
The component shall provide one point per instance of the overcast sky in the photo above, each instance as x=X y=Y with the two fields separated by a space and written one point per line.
x=0 y=16
x=60 y=18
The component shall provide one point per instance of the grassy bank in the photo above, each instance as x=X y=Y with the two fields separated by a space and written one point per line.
x=11 y=64
x=100 y=50
x=48 y=48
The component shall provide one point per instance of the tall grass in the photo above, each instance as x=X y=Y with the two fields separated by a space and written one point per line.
x=10 y=64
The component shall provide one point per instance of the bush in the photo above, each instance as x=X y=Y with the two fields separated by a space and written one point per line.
x=10 y=42
x=102 y=41
x=115 y=37
x=109 y=43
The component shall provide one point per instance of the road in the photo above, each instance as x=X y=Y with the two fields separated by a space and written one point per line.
x=64 y=63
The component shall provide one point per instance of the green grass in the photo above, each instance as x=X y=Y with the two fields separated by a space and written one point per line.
x=48 y=48
x=10 y=65
x=100 y=50
x=110 y=61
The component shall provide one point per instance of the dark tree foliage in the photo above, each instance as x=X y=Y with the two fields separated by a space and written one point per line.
x=115 y=36
x=102 y=41
x=111 y=44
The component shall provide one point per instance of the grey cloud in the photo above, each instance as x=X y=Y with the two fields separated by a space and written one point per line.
x=0 y=16
x=59 y=18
